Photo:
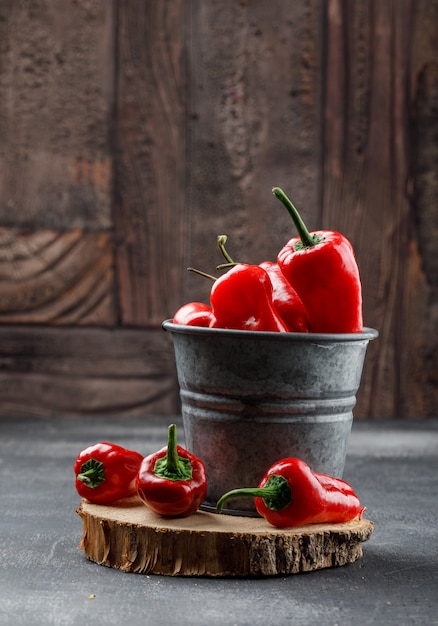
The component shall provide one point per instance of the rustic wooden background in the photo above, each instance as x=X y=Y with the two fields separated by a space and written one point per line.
x=133 y=132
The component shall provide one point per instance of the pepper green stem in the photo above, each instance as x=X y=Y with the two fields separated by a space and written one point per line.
x=172 y=466
x=307 y=239
x=225 y=266
x=172 y=452
x=201 y=273
x=276 y=494
x=92 y=473
x=222 y=240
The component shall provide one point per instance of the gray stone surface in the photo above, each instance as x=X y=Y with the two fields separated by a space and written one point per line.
x=45 y=579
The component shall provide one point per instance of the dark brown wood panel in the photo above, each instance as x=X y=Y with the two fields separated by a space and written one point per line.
x=150 y=217
x=56 y=94
x=72 y=371
x=422 y=364
x=367 y=169
x=254 y=122
x=133 y=133
x=56 y=102
x=50 y=277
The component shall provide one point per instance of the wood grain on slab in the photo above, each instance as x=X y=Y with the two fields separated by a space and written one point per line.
x=130 y=537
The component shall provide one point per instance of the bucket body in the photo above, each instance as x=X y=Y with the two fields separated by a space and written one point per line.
x=249 y=399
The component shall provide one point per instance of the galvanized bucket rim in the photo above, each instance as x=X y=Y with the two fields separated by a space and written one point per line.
x=367 y=333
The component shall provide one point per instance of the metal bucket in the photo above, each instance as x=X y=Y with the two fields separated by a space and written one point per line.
x=252 y=398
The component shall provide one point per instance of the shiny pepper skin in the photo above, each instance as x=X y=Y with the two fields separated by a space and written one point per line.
x=172 y=482
x=321 y=266
x=194 y=314
x=241 y=299
x=326 y=278
x=285 y=300
x=291 y=494
x=106 y=472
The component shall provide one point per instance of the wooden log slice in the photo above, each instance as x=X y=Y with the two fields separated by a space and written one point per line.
x=132 y=538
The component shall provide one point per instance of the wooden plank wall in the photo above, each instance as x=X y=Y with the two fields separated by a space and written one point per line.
x=133 y=133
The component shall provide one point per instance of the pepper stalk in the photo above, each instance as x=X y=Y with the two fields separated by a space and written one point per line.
x=276 y=494
x=92 y=473
x=307 y=240
x=172 y=466
x=221 y=241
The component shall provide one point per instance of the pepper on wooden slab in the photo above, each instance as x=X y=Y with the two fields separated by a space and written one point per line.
x=172 y=482
x=291 y=494
x=106 y=472
x=321 y=266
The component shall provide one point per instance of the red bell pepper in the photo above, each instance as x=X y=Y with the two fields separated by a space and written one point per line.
x=322 y=268
x=286 y=300
x=194 y=314
x=290 y=494
x=172 y=482
x=242 y=299
x=106 y=472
